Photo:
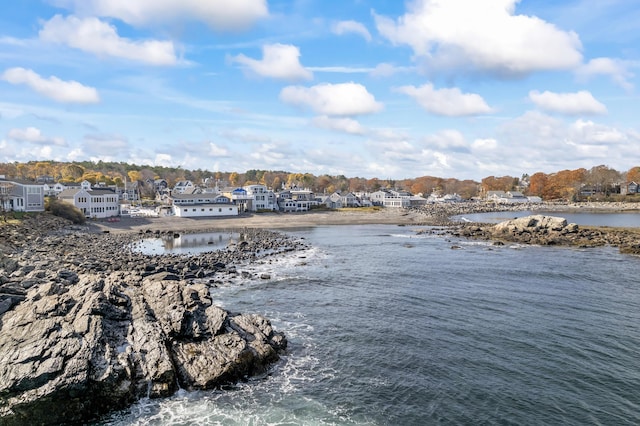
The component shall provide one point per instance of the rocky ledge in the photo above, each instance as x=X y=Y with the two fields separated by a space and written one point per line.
x=87 y=325
x=550 y=230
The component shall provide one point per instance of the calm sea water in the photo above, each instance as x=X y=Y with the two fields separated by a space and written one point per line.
x=390 y=328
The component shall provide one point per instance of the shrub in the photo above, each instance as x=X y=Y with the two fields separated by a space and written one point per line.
x=66 y=211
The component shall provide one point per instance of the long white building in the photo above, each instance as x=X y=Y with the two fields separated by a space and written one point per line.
x=202 y=205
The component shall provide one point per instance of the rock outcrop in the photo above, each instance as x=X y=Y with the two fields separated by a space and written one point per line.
x=90 y=326
x=550 y=230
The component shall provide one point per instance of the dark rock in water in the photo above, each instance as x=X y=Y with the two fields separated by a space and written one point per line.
x=74 y=353
x=88 y=326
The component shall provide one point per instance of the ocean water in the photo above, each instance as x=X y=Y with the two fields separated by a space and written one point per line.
x=388 y=327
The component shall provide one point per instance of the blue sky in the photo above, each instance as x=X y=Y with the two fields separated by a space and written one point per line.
x=382 y=88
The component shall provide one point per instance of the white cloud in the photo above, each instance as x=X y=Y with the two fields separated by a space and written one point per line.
x=344 y=124
x=577 y=103
x=278 y=61
x=218 y=151
x=342 y=69
x=484 y=144
x=162 y=160
x=486 y=35
x=35 y=136
x=110 y=146
x=545 y=143
x=535 y=131
x=618 y=71
x=590 y=133
x=218 y=14
x=347 y=27
x=53 y=87
x=447 y=140
x=448 y=102
x=387 y=70
x=345 y=99
x=97 y=37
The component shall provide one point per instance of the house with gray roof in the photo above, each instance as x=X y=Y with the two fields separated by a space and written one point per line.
x=21 y=196
x=94 y=203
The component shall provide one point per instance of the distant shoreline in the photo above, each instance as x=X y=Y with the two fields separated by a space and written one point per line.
x=430 y=215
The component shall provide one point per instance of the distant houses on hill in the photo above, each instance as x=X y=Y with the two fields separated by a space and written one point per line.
x=209 y=199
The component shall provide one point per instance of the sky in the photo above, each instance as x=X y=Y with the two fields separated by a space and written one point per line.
x=387 y=89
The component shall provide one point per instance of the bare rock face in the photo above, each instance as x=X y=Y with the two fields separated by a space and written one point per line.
x=88 y=325
x=534 y=223
x=71 y=352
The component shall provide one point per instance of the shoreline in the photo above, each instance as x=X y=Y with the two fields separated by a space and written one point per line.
x=430 y=215
x=154 y=313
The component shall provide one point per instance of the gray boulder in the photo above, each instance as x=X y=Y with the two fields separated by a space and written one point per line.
x=73 y=352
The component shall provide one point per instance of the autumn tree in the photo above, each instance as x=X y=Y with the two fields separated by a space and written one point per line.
x=537 y=183
x=357 y=184
x=503 y=183
x=373 y=184
x=8 y=169
x=71 y=172
x=234 y=178
x=633 y=175
x=322 y=183
x=276 y=183
x=134 y=175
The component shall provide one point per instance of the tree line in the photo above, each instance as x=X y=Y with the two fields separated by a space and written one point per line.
x=565 y=184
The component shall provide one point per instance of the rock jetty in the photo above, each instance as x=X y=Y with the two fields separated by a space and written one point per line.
x=550 y=230
x=89 y=325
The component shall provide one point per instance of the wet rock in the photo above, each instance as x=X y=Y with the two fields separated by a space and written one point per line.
x=88 y=325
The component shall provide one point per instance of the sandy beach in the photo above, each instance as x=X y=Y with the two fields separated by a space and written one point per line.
x=264 y=221
x=428 y=215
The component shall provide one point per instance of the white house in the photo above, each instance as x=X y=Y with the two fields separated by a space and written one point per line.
x=239 y=197
x=21 y=196
x=184 y=187
x=447 y=198
x=95 y=203
x=509 y=197
x=202 y=205
x=53 y=189
x=261 y=198
x=391 y=198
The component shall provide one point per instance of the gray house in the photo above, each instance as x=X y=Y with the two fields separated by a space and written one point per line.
x=21 y=196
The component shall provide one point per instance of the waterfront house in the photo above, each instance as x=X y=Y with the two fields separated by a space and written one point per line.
x=21 y=196
x=239 y=197
x=95 y=203
x=333 y=201
x=202 y=205
x=508 y=197
x=391 y=198
x=296 y=200
x=630 y=188
x=261 y=198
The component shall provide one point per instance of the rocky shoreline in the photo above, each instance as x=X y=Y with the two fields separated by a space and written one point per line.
x=547 y=231
x=88 y=325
